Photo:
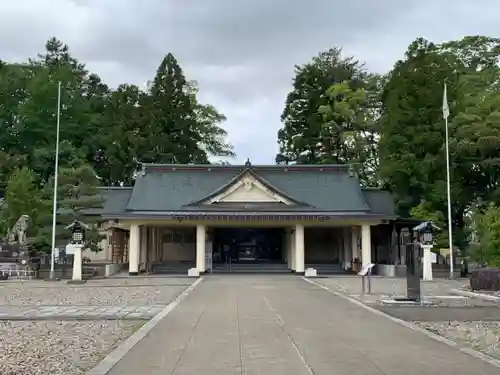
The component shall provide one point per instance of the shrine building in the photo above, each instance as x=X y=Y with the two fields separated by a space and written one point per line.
x=263 y=217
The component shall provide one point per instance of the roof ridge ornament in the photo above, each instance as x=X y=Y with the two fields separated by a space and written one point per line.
x=248 y=163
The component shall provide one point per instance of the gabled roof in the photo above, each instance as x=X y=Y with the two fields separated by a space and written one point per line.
x=174 y=188
x=247 y=172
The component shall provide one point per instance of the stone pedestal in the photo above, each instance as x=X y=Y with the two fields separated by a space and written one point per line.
x=77 y=263
x=426 y=263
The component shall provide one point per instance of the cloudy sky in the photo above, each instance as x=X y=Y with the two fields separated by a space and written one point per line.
x=242 y=53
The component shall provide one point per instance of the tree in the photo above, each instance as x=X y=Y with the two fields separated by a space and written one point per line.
x=300 y=139
x=173 y=136
x=22 y=197
x=348 y=132
x=110 y=129
x=77 y=197
x=208 y=120
x=487 y=230
x=412 y=132
x=122 y=141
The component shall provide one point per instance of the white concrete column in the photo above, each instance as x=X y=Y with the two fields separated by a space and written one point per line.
x=77 y=263
x=366 y=245
x=299 y=248
x=109 y=248
x=292 y=250
x=201 y=234
x=339 y=234
x=347 y=247
x=354 y=243
x=286 y=248
x=426 y=263
x=159 y=244
x=144 y=245
x=133 y=250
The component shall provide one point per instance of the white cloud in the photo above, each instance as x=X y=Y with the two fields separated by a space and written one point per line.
x=241 y=53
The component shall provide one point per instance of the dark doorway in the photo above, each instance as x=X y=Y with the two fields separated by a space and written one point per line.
x=247 y=245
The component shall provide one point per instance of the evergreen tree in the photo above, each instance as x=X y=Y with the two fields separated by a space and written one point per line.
x=300 y=139
x=173 y=135
x=77 y=197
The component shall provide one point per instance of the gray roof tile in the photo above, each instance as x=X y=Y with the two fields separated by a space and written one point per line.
x=380 y=201
x=168 y=188
x=325 y=188
x=115 y=200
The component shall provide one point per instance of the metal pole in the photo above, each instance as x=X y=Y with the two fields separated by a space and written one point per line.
x=448 y=188
x=54 y=199
x=369 y=281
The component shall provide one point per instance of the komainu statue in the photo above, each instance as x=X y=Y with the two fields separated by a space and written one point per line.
x=16 y=245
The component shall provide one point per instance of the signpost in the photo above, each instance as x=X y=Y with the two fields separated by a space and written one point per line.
x=413 y=272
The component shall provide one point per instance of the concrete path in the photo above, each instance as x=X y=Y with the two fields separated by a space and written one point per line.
x=285 y=326
x=126 y=312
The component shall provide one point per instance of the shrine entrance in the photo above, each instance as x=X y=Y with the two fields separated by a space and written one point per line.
x=248 y=245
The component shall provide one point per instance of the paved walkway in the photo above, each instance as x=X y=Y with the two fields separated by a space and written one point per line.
x=78 y=312
x=285 y=326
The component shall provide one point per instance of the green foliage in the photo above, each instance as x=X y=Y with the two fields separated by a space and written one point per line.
x=77 y=196
x=347 y=131
x=412 y=129
x=329 y=117
x=487 y=229
x=112 y=129
x=391 y=129
x=21 y=195
x=425 y=211
x=104 y=132
x=171 y=112
x=300 y=137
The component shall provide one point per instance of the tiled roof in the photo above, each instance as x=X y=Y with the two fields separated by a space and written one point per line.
x=323 y=188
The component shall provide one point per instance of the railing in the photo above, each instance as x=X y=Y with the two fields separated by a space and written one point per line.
x=18 y=273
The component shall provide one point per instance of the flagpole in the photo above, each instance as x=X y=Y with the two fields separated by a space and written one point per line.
x=446 y=113
x=54 y=198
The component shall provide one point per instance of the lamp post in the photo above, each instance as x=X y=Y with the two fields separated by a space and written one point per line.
x=78 y=231
x=425 y=232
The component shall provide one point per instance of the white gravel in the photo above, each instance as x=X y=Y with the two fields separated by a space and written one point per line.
x=389 y=286
x=100 y=292
x=73 y=347
x=58 y=348
x=480 y=336
x=437 y=291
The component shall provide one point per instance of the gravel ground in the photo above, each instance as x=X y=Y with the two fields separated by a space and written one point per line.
x=481 y=336
x=73 y=347
x=390 y=286
x=99 y=292
x=58 y=348
x=437 y=292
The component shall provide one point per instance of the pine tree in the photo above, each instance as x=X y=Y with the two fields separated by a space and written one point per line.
x=77 y=197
